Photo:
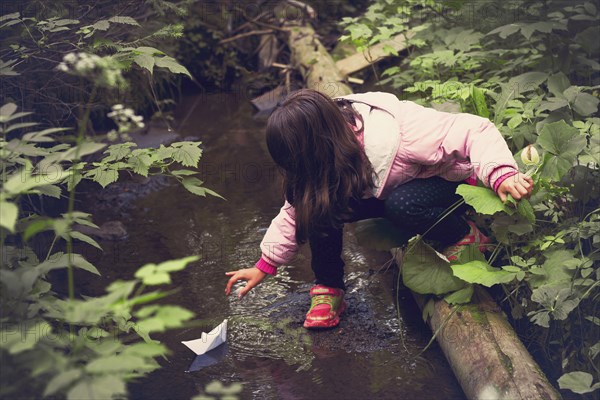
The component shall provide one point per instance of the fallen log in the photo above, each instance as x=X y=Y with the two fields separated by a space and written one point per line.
x=314 y=62
x=360 y=60
x=487 y=357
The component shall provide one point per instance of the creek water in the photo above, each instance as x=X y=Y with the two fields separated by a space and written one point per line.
x=374 y=353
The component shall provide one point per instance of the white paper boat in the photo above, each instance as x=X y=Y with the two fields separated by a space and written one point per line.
x=210 y=340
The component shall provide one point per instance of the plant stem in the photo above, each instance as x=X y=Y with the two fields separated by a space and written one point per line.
x=71 y=207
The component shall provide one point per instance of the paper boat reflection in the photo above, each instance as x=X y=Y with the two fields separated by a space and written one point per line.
x=210 y=340
x=209 y=358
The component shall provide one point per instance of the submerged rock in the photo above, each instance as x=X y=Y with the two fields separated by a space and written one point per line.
x=111 y=230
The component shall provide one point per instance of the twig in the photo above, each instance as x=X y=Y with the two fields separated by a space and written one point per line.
x=304 y=7
x=246 y=34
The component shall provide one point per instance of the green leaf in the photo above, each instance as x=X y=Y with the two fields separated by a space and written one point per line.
x=557 y=84
x=14 y=15
x=104 y=176
x=554 y=270
x=41 y=136
x=124 y=20
x=140 y=162
x=183 y=172
x=152 y=274
x=118 y=152
x=60 y=260
x=482 y=273
x=19 y=125
x=118 y=363
x=515 y=121
x=585 y=104
x=159 y=318
x=61 y=381
x=9 y=213
x=49 y=190
x=36 y=227
x=425 y=272
x=563 y=143
x=187 y=153
x=483 y=200
x=85 y=238
x=102 y=25
x=194 y=185
x=479 y=102
x=176 y=265
x=30 y=334
x=578 y=381
x=505 y=30
x=100 y=387
x=524 y=208
x=461 y=296
x=86 y=148
x=145 y=61
x=172 y=65
x=528 y=81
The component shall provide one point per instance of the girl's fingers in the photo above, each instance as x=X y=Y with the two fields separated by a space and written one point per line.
x=522 y=190
x=515 y=193
x=502 y=196
x=230 y=283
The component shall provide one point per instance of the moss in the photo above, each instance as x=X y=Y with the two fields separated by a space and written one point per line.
x=477 y=315
x=506 y=361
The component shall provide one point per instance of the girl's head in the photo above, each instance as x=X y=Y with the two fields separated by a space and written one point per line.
x=310 y=137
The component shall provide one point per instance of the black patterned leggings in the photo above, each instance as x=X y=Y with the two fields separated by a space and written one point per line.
x=413 y=207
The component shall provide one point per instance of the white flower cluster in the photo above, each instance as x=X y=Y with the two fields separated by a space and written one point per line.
x=105 y=70
x=126 y=121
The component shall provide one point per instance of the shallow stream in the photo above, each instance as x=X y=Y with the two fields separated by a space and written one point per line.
x=372 y=354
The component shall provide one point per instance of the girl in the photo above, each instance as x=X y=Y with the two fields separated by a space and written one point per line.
x=366 y=156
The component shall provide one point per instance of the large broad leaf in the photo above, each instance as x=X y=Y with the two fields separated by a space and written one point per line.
x=555 y=269
x=482 y=273
x=578 y=382
x=563 y=143
x=461 y=296
x=483 y=200
x=380 y=234
x=557 y=84
x=528 y=81
x=425 y=272
x=558 y=300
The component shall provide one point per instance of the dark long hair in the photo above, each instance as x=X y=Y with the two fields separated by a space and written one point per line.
x=324 y=166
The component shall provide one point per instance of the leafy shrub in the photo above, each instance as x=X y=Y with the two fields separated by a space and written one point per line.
x=72 y=345
x=507 y=69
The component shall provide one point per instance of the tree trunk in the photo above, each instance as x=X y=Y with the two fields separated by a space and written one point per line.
x=485 y=354
x=314 y=62
x=487 y=357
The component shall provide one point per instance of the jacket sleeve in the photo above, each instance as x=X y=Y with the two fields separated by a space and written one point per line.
x=431 y=137
x=279 y=243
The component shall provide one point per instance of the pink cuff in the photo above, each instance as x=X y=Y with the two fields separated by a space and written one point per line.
x=503 y=178
x=500 y=172
x=265 y=267
x=472 y=180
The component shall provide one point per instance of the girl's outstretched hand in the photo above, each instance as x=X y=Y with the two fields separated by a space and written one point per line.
x=518 y=186
x=252 y=275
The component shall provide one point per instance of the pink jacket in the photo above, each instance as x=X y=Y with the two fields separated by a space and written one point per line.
x=405 y=141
